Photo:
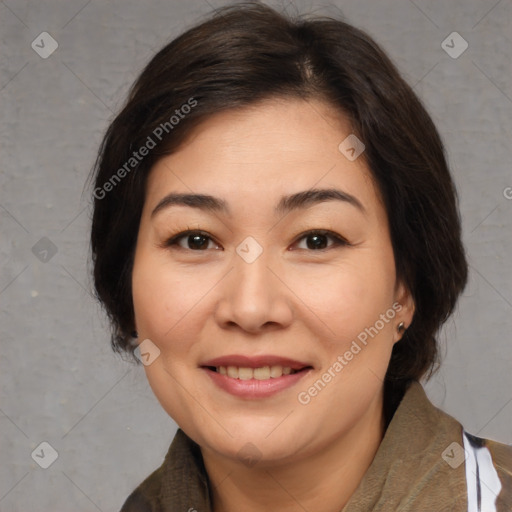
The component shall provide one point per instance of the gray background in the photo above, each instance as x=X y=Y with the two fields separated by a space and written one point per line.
x=60 y=382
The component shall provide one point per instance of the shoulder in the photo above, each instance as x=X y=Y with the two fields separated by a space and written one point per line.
x=145 y=498
x=179 y=482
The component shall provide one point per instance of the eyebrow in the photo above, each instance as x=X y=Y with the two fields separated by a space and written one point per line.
x=286 y=204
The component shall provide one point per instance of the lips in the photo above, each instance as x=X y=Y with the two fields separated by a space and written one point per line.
x=255 y=377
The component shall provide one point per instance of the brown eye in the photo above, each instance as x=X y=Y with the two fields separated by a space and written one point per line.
x=318 y=240
x=196 y=242
x=191 y=240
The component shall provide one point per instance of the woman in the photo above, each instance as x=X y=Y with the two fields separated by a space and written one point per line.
x=276 y=238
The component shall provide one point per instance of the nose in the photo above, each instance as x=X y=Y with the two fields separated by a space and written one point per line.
x=254 y=297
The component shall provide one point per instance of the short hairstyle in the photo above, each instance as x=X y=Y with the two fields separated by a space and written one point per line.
x=248 y=52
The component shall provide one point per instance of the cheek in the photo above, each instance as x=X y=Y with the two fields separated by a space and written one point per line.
x=356 y=349
x=167 y=304
x=169 y=300
x=346 y=298
x=155 y=300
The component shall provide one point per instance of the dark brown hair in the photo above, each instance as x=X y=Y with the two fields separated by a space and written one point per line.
x=248 y=52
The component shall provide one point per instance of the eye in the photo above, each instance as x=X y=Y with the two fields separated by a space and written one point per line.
x=192 y=240
x=317 y=240
x=197 y=240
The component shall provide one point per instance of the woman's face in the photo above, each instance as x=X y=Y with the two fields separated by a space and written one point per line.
x=271 y=328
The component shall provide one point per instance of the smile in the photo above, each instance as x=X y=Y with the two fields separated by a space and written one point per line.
x=255 y=377
x=262 y=373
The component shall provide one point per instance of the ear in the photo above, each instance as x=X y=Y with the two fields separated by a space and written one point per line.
x=405 y=312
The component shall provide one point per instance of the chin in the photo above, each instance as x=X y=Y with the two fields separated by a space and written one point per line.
x=252 y=452
x=252 y=443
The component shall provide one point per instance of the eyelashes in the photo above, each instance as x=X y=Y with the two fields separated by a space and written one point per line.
x=197 y=235
x=338 y=240
x=197 y=240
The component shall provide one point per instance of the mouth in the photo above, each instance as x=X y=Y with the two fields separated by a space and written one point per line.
x=255 y=377
x=260 y=373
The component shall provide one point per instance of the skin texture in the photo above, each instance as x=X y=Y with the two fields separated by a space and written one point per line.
x=293 y=301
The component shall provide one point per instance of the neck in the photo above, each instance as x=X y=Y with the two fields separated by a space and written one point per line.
x=323 y=482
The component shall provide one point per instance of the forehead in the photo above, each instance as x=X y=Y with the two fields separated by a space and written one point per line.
x=261 y=152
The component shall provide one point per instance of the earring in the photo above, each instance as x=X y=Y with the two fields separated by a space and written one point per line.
x=401 y=327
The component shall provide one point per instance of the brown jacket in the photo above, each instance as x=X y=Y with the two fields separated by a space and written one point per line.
x=425 y=462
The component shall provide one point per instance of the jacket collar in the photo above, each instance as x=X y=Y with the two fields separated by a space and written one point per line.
x=415 y=467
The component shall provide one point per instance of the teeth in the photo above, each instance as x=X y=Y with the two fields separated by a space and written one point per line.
x=232 y=372
x=276 y=371
x=263 y=373
x=245 y=373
